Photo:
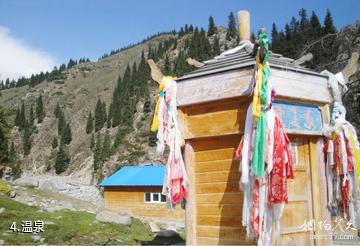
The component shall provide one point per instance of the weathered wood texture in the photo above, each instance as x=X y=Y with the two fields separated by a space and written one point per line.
x=235 y=83
x=219 y=200
x=131 y=200
x=220 y=118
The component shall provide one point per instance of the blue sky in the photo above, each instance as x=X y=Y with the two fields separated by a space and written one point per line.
x=89 y=28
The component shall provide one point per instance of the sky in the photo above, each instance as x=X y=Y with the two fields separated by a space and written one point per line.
x=36 y=35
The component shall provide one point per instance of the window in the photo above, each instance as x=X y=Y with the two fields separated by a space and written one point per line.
x=163 y=198
x=147 y=197
x=154 y=197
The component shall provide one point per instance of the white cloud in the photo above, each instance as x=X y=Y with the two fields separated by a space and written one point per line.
x=18 y=59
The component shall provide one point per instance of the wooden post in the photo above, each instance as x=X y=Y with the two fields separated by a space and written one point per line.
x=244 y=24
x=190 y=213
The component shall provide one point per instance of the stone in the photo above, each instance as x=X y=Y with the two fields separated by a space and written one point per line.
x=109 y=216
x=12 y=194
x=27 y=181
x=35 y=238
x=166 y=233
x=2 y=242
x=2 y=210
x=154 y=227
x=49 y=223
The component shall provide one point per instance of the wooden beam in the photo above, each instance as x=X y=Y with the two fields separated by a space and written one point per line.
x=190 y=213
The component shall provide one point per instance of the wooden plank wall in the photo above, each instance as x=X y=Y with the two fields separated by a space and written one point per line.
x=131 y=200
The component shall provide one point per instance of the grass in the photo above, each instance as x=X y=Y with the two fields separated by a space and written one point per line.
x=72 y=227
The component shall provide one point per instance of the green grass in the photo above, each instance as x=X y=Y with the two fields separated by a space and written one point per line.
x=72 y=227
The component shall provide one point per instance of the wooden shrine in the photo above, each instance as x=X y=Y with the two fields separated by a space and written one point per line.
x=212 y=104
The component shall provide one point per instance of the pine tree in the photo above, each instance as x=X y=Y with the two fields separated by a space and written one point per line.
x=4 y=135
x=212 y=27
x=274 y=38
x=231 y=32
x=110 y=115
x=31 y=117
x=106 y=148
x=304 y=21
x=57 y=111
x=12 y=153
x=54 y=143
x=99 y=120
x=97 y=152
x=61 y=123
x=17 y=118
x=92 y=141
x=22 y=121
x=26 y=140
x=328 y=23
x=40 y=112
x=90 y=124
x=167 y=66
x=315 y=31
x=62 y=160
x=216 y=47
x=65 y=136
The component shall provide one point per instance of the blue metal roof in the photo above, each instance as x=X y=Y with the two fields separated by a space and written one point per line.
x=136 y=176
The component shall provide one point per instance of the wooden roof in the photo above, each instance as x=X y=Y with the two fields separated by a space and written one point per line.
x=243 y=59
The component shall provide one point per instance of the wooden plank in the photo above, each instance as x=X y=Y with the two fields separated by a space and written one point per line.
x=235 y=83
x=217 y=165
x=221 y=232
x=213 y=155
x=221 y=176
x=218 y=187
x=219 y=209
x=218 y=123
x=216 y=143
x=219 y=198
x=222 y=220
x=222 y=241
x=191 y=210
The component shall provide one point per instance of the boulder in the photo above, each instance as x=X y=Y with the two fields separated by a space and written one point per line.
x=167 y=233
x=27 y=181
x=109 y=216
x=12 y=194
x=154 y=227
x=2 y=210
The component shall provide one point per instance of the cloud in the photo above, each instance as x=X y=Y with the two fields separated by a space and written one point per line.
x=17 y=59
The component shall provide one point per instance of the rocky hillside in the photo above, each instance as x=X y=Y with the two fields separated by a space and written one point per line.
x=77 y=95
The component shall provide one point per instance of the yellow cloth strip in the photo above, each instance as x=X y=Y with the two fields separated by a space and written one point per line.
x=155 y=121
x=357 y=157
x=257 y=89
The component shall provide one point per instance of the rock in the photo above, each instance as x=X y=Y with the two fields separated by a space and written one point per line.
x=154 y=227
x=49 y=223
x=2 y=242
x=12 y=194
x=166 y=233
x=27 y=181
x=5 y=234
x=35 y=238
x=42 y=240
x=67 y=205
x=171 y=228
x=109 y=216
x=2 y=210
x=59 y=217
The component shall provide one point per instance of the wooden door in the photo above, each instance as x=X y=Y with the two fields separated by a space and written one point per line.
x=299 y=208
x=218 y=199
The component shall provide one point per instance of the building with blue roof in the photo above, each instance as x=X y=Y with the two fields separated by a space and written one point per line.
x=137 y=190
